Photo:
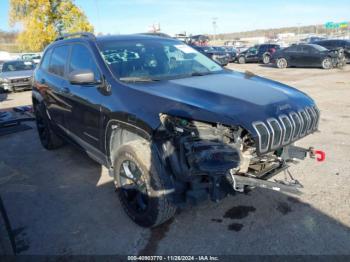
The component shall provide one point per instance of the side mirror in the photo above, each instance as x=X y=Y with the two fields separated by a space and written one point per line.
x=82 y=77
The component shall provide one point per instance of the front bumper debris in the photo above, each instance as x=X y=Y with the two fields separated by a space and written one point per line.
x=289 y=154
x=243 y=181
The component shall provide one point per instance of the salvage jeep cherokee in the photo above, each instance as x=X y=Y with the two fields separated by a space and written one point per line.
x=172 y=126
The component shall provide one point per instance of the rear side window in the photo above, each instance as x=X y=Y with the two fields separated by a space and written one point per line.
x=46 y=60
x=82 y=59
x=58 y=60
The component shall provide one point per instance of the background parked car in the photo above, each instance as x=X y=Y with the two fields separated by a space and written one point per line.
x=219 y=57
x=336 y=44
x=258 y=53
x=16 y=75
x=230 y=52
x=308 y=55
x=31 y=57
x=312 y=39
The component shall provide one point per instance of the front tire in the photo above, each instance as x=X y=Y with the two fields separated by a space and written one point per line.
x=327 y=63
x=241 y=60
x=266 y=59
x=281 y=63
x=141 y=184
x=47 y=136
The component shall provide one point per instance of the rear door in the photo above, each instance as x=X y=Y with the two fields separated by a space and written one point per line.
x=84 y=121
x=54 y=80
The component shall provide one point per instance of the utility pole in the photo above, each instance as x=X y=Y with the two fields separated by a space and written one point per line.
x=298 y=32
x=214 y=19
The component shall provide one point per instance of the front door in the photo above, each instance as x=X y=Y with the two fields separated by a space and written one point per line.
x=84 y=122
x=252 y=55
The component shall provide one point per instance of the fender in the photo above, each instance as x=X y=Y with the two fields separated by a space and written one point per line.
x=118 y=132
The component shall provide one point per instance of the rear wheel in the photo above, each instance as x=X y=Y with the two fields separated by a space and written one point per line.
x=141 y=185
x=281 y=63
x=266 y=59
x=326 y=63
x=47 y=136
x=241 y=60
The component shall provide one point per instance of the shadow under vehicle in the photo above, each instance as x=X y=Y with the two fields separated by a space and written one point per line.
x=16 y=75
x=308 y=55
x=172 y=126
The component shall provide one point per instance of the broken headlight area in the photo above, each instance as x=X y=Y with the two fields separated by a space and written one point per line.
x=199 y=155
x=198 y=148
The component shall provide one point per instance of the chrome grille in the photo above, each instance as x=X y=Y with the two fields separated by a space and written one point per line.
x=286 y=129
x=313 y=116
x=264 y=135
x=276 y=131
x=304 y=119
x=19 y=80
x=297 y=123
x=317 y=111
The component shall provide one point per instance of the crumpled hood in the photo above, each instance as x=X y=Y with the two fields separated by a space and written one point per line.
x=16 y=74
x=229 y=98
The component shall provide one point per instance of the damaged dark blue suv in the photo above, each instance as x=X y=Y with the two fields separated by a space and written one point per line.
x=172 y=126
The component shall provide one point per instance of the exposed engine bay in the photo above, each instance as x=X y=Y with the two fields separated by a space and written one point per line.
x=220 y=159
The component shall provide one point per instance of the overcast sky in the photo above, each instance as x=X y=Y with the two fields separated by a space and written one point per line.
x=195 y=16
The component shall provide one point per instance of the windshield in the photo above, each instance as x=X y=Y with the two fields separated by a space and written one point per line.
x=17 y=66
x=154 y=59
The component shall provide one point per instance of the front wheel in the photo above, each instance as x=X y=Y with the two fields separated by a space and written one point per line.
x=241 y=60
x=266 y=59
x=326 y=63
x=281 y=63
x=141 y=184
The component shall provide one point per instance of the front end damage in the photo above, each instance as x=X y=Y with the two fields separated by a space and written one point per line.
x=213 y=160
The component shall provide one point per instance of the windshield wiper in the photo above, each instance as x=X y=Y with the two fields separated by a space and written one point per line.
x=138 y=79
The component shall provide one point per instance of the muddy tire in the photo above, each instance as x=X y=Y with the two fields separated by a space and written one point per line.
x=281 y=63
x=327 y=63
x=48 y=138
x=142 y=184
x=241 y=60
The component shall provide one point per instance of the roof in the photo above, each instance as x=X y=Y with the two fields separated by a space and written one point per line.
x=111 y=38
x=131 y=37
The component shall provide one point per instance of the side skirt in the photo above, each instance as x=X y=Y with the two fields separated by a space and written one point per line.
x=90 y=150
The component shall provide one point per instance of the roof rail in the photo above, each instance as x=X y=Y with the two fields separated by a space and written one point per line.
x=84 y=34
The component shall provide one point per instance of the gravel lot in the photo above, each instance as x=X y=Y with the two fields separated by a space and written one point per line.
x=61 y=202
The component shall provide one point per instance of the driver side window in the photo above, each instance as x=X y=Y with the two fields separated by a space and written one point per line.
x=82 y=59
